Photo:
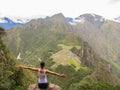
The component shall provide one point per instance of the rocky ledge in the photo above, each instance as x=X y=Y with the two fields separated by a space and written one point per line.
x=51 y=87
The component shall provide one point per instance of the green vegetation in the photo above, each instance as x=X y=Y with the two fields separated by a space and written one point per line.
x=104 y=39
x=76 y=64
x=66 y=57
x=2 y=32
x=94 y=86
x=11 y=77
x=56 y=42
x=73 y=76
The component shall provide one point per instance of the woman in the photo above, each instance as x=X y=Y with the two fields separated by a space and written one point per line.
x=42 y=81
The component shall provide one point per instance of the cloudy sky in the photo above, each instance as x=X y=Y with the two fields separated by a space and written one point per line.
x=70 y=8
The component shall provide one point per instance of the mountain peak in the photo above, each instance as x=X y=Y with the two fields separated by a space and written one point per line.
x=117 y=19
x=5 y=20
x=58 y=17
x=91 y=17
x=8 y=22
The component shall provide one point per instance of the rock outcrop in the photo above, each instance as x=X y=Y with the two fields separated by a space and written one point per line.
x=51 y=87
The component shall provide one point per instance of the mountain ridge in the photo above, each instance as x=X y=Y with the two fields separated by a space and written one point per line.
x=9 y=22
x=21 y=21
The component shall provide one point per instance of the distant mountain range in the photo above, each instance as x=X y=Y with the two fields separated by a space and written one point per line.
x=9 y=22
x=117 y=19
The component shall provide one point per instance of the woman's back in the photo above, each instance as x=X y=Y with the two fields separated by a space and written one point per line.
x=42 y=76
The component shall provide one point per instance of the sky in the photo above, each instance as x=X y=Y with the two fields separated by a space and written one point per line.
x=70 y=8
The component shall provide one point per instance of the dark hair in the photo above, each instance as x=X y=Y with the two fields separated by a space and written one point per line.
x=42 y=64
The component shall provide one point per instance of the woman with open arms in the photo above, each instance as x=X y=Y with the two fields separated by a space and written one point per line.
x=42 y=81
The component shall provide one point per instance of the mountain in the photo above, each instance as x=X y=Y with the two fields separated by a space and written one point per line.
x=101 y=34
x=69 y=19
x=93 y=18
x=103 y=38
x=12 y=78
x=82 y=51
x=7 y=23
x=117 y=19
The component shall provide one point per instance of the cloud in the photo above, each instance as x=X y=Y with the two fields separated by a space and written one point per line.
x=114 y=1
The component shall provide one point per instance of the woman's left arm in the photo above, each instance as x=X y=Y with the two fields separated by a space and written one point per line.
x=54 y=73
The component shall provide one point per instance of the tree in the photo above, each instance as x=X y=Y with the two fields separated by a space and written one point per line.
x=2 y=32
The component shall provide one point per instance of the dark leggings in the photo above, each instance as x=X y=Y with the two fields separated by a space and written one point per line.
x=43 y=85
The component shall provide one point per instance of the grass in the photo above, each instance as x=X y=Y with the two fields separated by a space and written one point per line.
x=68 y=47
x=76 y=63
x=66 y=57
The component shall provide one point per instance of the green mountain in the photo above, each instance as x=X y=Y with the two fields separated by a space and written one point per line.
x=103 y=36
x=60 y=45
x=12 y=78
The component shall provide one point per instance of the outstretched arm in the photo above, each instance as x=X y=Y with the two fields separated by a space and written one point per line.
x=26 y=67
x=54 y=73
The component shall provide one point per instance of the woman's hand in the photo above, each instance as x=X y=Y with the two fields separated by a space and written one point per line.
x=21 y=66
x=62 y=75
